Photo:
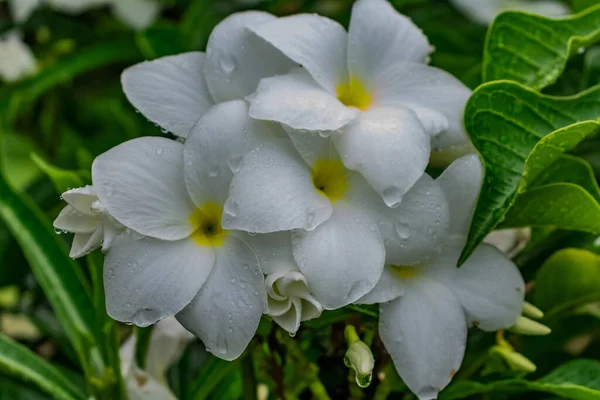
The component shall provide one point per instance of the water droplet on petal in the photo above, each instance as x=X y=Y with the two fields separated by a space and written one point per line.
x=228 y=63
x=392 y=196
x=213 y=170
x=402 y=229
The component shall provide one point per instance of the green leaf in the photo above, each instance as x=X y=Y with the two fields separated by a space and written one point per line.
x=569 y=169
x=569 y=278
x=56 y=273
x=17 y=360
x=62 y=179
x=577 y=380
x=519 y=134
x=533 y=50
x=213 y=371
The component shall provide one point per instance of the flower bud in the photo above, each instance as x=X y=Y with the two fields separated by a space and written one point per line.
x=526 y=326
x=359 y=357
x=531 y=311
x=516 y=361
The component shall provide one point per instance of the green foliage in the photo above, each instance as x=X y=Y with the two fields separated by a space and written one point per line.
x=534 y=50
x=577 y=380
x=569 y=278
x=519 y=134
x=62 y=179
x=19 y=361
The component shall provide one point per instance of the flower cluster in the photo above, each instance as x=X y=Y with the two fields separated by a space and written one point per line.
x=296 y=184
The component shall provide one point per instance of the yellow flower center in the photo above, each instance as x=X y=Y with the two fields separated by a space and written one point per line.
x=354 y=94
x=329 y=179
x=207 y=223
x=405 y=271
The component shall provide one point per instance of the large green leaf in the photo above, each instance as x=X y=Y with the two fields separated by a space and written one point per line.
x=533 y=50
x=213 y=371
x=17 y=360
x=569 y=278
x=577 y=380
x=54 y=270
x=519 y=134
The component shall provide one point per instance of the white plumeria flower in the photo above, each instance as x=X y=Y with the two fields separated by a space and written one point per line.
x=484 y=11
x=167 y=343
x=427 y=308
x=370 y=86
x=289 y=300
x=16 y=59
x=86 y=218
x=174 y=91
x=336 y=217
x=185 y=264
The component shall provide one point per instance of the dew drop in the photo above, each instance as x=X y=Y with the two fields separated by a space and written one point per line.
x=231 y=207
x=234 y=163
x=363 y=381
x=392 y=196
x=227 y=63
x=292 y=334
x=159 y=150
x=402 y=229
x=213 y=170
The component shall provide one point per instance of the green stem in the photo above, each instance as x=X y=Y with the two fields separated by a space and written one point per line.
x=248 y=378
x=318 y=390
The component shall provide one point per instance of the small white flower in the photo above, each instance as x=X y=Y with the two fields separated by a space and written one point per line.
x=289 y=300
x=337 y=219
x=16 y=59
x=185 y=264
x=175 y=91
x=426 y=308
x=371 y=86
x=86 y=217
x=484 y=11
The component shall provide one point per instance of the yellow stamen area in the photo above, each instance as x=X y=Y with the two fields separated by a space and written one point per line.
x=329 y=179
x=405 y=271
x=207 y=223
x=354 y=94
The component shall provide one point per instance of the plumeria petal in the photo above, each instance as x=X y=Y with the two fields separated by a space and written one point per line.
x=311 y=145
x=237 y=59
x=490 y=288
x=71 y=220
x=140 y=182
x=169 y=91
x=389 y=147
x=379 y=36
x=21 y=10
x=147 y=279
x=415 y=231
x=289 y=300
x=296 y=100
x=317 y=43
x=342 y=259
x=84 y=243
x=226 y=312
x=389 y=287
x=81 y=199
x=273 y=191
x=430 y=93
x=111 y=229
x=461 y=183
x=425 y=333
x=18 y=61
x=216 y=146
x=274 y=251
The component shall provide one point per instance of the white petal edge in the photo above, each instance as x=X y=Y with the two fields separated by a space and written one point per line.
x=147 y=280
x=237 y=59
x=140 y=182
x=273 y=191
x=317 y=43
x=215 y=148
x=342 y=259
x=296 y=100
x=380 y=36
x=169 y=91
x=226 y=312
x=389 y=147
x=490 y=288
x=425 y=332
x=461 y=183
